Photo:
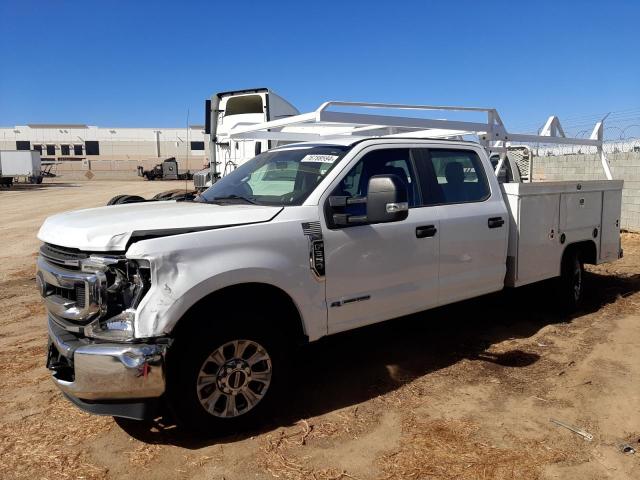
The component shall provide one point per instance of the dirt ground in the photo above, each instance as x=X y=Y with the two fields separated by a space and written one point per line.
x=464 y=392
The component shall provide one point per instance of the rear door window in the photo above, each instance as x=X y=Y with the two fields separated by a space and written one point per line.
x=452 y=176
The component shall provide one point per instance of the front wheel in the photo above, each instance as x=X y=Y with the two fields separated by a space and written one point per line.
x=219 y=382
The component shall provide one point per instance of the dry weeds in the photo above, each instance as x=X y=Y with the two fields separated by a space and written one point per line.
x=448 y=449
x=50 y=440
x=51 y=444
x=143 y=454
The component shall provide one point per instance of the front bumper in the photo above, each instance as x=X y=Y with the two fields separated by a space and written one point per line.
x=105 y=373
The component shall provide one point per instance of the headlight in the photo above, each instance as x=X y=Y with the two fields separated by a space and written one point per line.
x=127 y=281
x=118 y=328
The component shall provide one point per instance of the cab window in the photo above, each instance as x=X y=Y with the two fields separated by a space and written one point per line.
x=452 y=176
x=243 y=104
x=388 y=161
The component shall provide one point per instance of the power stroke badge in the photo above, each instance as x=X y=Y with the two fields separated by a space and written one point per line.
x=313 y=231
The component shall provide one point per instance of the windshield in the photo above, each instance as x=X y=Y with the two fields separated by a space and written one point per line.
x=285 y=176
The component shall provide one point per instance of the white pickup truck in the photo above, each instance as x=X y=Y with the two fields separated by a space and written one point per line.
x=196 y=305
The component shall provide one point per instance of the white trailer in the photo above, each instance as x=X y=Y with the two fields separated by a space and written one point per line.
x=24 y=164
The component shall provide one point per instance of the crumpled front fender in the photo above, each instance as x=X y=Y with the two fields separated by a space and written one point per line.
x=187 y=268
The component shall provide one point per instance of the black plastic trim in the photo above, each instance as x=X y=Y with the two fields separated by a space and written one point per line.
x=142 y=409
x=207 y=116
x=268 y=116
x=248 y=90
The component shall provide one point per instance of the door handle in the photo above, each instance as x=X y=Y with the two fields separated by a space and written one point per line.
x=426 y=231
x=495 y=222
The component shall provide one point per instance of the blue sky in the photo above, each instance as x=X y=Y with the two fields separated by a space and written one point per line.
x=139 y=63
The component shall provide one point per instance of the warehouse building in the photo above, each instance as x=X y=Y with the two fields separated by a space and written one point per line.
x=80 y=147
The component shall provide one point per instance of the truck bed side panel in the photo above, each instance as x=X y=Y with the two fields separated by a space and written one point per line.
x=534 y=244
x=580 y=210
x=545 y=213
x=610 y=238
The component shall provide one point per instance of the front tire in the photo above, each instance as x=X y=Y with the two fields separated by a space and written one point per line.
x=221 y=380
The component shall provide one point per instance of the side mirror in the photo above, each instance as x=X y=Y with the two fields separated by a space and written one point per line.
x=387 y=199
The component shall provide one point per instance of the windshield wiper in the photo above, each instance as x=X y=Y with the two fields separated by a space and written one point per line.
x=233 y=197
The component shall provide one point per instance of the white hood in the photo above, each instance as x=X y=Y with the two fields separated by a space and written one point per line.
x=110 y=228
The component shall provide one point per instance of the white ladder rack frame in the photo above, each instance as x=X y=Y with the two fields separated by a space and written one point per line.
x=493 y=135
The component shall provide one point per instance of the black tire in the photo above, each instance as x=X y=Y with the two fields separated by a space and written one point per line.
x=115 y=200
x=570 y=284
x=190 y=355
x=162 y=196
x=183 y=196
x=166 y=195
x=130 y=199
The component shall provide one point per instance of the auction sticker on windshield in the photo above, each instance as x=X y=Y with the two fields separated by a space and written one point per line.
x=319 y=158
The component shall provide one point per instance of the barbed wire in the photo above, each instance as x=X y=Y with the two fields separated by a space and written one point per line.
x=577 y=122
x=621 y=133
x=626 y=144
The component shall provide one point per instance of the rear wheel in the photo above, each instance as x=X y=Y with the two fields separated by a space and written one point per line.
x=571 y=282
x=222 y=379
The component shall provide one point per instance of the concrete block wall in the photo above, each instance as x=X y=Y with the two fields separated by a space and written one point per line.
x=624 y=166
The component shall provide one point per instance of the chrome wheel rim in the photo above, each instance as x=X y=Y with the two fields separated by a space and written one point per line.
x=234 y=378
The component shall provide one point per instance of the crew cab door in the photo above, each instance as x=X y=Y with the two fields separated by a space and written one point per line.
x=474 y=225
x=379 y=271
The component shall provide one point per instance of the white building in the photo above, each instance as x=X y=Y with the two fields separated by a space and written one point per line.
x=69 y=143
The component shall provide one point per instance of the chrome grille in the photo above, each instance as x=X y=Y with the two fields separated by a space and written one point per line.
x=80 y=295
x=71 y=294
x=65 y=293
x=66 y=257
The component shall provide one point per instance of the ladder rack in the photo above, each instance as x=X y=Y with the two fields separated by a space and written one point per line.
x=324 y=124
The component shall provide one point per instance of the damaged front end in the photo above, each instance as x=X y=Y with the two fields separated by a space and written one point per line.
x=126 y=282
x=94 y=355
x=95 y=294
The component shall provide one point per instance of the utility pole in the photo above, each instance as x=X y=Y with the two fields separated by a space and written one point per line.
x=186 y=182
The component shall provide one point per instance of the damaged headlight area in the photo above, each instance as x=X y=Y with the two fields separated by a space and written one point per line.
x=125 y=284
